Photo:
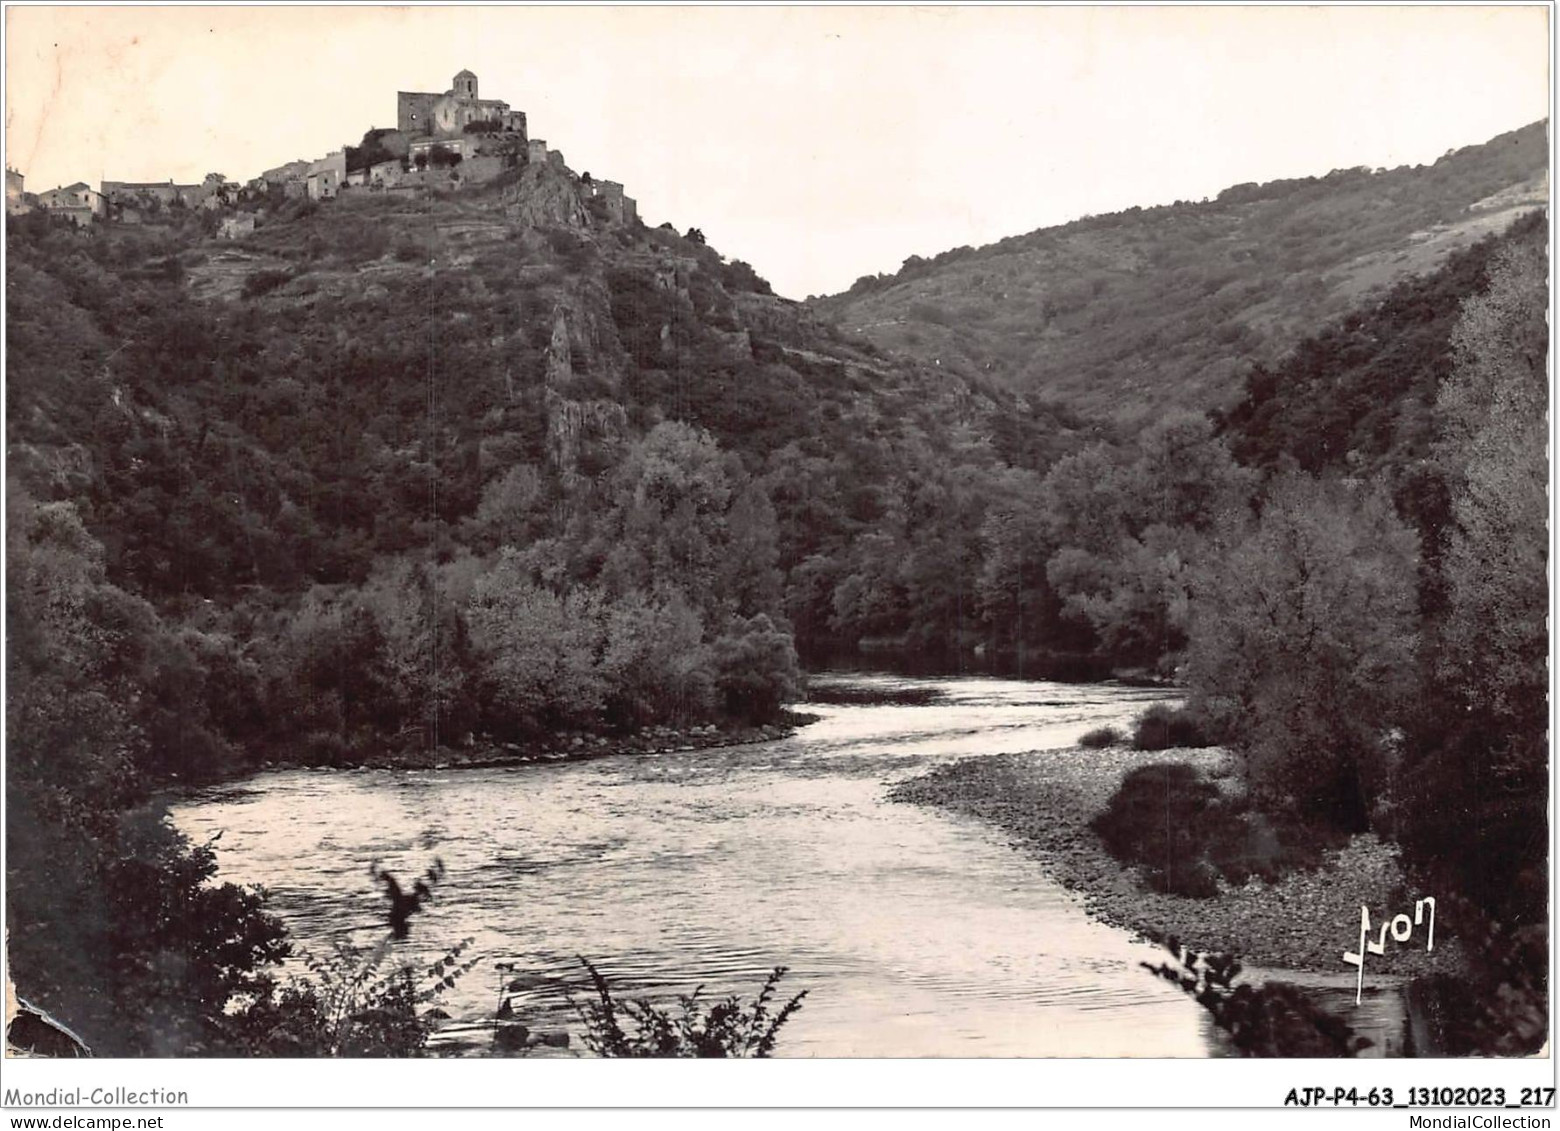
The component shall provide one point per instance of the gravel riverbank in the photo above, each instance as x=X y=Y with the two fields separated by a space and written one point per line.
x=1045 y=799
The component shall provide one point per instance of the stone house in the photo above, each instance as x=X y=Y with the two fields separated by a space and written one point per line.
x=385 y=174
x=292 y=178
x=216 y=191
x=79 y=203
x=293 y=170
x=151 y=196
x=16 y=202
x=325 y=177
x=619 y=208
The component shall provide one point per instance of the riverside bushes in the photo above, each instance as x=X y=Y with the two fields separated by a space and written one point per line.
x=1163 y=727
x=1160 y=818
x=1186 y=833
x=1304 y=642
x=1100 y=738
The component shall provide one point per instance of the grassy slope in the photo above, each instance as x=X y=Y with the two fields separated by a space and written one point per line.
x=1127 y=313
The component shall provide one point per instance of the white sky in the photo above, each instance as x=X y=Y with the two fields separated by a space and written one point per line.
x=819 y=144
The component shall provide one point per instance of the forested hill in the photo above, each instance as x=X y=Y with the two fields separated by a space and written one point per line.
x=486 y=464
x=1132 y=312
x=1357 y=397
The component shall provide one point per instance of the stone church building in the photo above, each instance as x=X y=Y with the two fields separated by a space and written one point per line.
x=449 y=114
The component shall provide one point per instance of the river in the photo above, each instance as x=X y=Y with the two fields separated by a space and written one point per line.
x=915 y=932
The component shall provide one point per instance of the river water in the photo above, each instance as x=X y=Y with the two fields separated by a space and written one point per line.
x=915 y=932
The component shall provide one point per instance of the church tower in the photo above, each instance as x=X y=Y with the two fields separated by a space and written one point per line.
x=465 y=85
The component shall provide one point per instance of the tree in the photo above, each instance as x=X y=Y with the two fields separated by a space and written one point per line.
x=1302 y=642
x=508 y=510
x=870 y=599
x=1135 y=599
x=1089 y=497
x=536 y=649
x=655 y=662
x=424 y=649
x=1475 y=796
x=112 y=923
x=668 y=530
x=1128 y=526
x=1493 y=411
x=332 y=680
x=756 y=669
x=1016 y=599
x=1187 y=477
x=750 y=576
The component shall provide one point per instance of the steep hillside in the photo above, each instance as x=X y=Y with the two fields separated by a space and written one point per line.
x=1128 y=313
x=385 y=379
x=1357 y=397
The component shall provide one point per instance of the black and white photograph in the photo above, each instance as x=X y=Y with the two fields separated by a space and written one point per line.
x=548 y=534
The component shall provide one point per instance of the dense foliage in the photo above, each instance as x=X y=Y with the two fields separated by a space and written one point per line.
x=1402 y=668
x=1475 y=778
x=112 y=922
x=1360 y=395
x=1303 y=649
x=1364 y=622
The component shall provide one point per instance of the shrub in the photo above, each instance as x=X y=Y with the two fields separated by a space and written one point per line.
x=1101 y=737
x=264 y=282
x=1163 y=727
x=930 y=312
x=726 y=1029
x=756 y=669
x=1499 y=1004
x=740 y=276
x=324 y=748
x=349 y=1006
x=1273 y=1019
x=1185 y=833
x=1159 y=818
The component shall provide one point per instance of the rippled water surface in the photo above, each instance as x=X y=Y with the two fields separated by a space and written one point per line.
x=916 y=932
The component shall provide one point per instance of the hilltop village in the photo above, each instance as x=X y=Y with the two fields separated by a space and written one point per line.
x=442 y=142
